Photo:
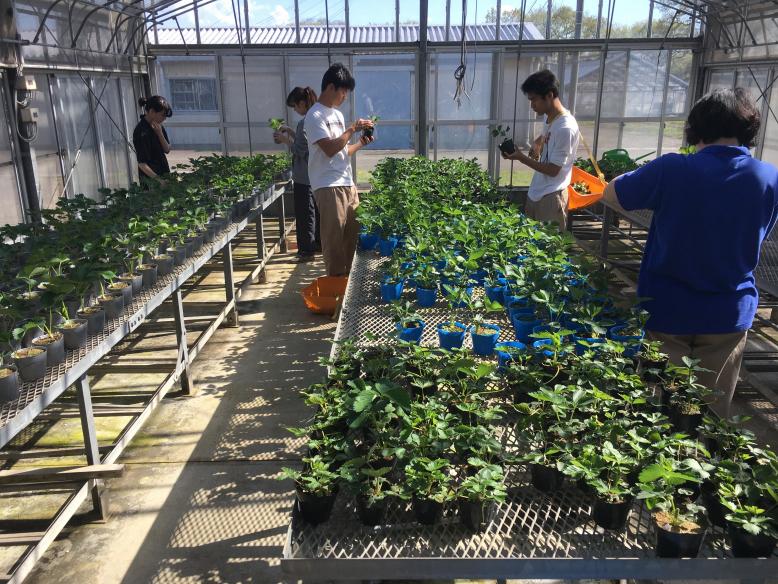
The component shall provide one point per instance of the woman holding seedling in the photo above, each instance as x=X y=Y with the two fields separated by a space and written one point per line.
x=306 y=213
x=712 y=210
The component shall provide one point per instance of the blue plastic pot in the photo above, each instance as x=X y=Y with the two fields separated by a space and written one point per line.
x=441 y=265
x=581 y=349
x=426 y=297
x=367 y=241
x=391 y=291
x=386 y=246
x=523 y=328
x=503 y=357
x=518 y=305
x=631 y=342
x=538 y=346
x=410 y=334
x=451 y=340
x=497 y=293
x=483 y=345
x=479 y=277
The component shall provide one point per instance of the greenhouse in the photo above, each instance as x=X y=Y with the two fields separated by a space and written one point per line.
x=411 y=290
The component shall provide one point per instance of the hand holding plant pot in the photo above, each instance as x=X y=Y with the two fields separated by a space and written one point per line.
x=506 y=144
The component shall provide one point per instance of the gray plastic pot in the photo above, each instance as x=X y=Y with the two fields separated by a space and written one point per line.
x=112 y=305
x=30 y=335
x=135 y=280
x=9 y=383
x=125 y=291
x=148 y=275
x=30 y=363
x=164 y=264
x=55 y=351
x=95 y=319
x=75 y=332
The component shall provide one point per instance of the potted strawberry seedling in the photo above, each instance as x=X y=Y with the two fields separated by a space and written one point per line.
x=484 y=334
x=426 y=277
x=30 y=362
x=74 y=330
x=369 y=132
x=9 y=376
x=111 y=303
x=429 y=483
x=479 y=492
x=506 y=144
x=316 y=486
x=408 y=322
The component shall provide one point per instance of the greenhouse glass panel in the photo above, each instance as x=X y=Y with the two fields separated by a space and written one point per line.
x=132 y=115
x=11 y=209
x=770 y=147
x=721 y=79
x=266 y=95
x=77 y=133
x=409 y=13
x=386 y=86
x=665 y=16
x=638 y=138
x=397 y=141
x=462 y=141
x=581 y=84
x=191 y=142
x=481 y=19
x=50 y=181
x=271 y=15
x=436 y=13
x=475 y=102
x=630 y=19
x=754 y=81
x=315 y=12
x=379 y=16
x=113 y=139
x=511 y=90
x=679 y=83
x=191 y=85
x=307 y=72
x=673 y=136
x=214 y=15
x=261 y=141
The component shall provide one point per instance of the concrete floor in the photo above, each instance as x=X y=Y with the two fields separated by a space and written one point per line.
x=198 y=501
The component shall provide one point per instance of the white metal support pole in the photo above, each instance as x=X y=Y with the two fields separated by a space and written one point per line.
x=90 y=442
x=282 y=224
x=229 y=284
x=183 y=348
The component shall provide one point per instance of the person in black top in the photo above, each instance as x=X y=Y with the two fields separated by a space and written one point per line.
x=150 y=139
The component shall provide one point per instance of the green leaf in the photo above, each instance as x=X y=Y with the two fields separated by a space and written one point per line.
x=363 y=400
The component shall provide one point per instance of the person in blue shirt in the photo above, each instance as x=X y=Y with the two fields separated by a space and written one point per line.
x=711 y=212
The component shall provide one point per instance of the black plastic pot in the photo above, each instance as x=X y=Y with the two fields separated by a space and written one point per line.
x=75 y=337
x=670 y=544
x=55 y=351
x=371 y=515
x=520 y=396
x=179 y=256
x=427 y=512
x=507 y=146
x=315 y=509
x=95 y=321
x=686 y=423
x=546 y=479
x=645 y=365
x=746 y=545
x=611 y=515
x=9 y=383
x=30 y=367
x=148 y=274
x=125 y=291
x=476 y=515
x=112 y=305
x=30 y=335
x=717 y=513
x=584 y=487
x=164 y=264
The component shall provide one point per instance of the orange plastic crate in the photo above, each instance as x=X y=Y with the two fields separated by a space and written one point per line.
x=323 y=294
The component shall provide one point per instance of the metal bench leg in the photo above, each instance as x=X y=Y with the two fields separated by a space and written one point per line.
x=183 y=349
x=229 y=285
x=282 y=225
x=261 y=245
x=607 y=218
x=90 y=443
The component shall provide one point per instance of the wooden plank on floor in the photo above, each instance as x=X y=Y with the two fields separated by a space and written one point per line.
x=61 y=474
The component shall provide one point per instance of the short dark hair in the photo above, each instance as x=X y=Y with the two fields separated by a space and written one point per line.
x=723 y=113
x=541 y=83
x=157 y=103
x=298 y=94
x=339 y=76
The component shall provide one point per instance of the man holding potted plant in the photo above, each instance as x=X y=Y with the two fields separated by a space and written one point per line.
x=712 y=210
x=329 y=169
x=556 y=151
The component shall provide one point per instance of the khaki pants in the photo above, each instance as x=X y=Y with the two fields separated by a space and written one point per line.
x=338 y=226
x=552 y=208
x=722 y=354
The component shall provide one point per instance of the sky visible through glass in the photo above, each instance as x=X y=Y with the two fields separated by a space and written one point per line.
x=363 y=12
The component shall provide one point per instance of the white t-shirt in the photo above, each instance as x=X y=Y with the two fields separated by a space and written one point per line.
x=326 y=122
x=560 y=144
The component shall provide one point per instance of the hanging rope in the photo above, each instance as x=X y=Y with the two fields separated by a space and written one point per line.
x=461 y=70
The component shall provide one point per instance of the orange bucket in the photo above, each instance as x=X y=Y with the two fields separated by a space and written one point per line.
x=576 y=200
x=323 y=294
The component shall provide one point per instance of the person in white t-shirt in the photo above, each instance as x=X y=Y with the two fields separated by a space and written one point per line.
x=554 y=151
x=329 y=169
